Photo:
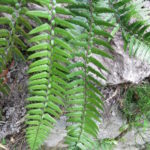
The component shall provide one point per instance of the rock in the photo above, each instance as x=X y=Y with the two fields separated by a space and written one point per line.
x=57 y=135
x=14 y=104
x=123 y=68
x=112 y=122
x=109 y=128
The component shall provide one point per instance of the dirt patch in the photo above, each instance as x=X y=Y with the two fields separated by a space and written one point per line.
x=13 y=105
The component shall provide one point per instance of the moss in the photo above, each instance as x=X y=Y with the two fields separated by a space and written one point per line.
x=137 y=104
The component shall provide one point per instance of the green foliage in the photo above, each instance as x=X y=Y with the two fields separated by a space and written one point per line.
x=134 y=21
x=50 y=55
x=64 y=39
x=107 y=144
x=54 y=78
x=147 y=146
x=83 y=98
x=137 y=105
x=13 y=28
x=3 y=141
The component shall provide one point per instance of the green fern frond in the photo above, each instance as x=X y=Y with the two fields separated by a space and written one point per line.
x=83 y=98
x=134 y=21
x=12 y=23
x=50 y=53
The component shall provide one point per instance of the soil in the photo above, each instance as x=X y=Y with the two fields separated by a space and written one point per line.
x=13 y=107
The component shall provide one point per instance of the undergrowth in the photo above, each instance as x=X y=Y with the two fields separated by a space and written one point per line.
x=137 y=105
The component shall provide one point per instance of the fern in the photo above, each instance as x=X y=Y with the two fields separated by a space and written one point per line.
x=83 y=98
x=13 y=25
x=50 y=69
x=49 y=55
x=64 y=39
x=133 y=19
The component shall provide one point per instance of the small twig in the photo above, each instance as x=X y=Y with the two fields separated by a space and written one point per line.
x=21 y=120
x=121 y=134
x=22 y=143
x=2 y=122
x=17 y=141
x=3 y=147
x=113 y=95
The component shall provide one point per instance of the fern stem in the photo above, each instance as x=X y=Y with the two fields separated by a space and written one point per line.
x=87 y=52
x=49 y=72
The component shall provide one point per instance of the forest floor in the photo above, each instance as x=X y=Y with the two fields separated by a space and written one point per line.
x=12 y=127
x=12 y=107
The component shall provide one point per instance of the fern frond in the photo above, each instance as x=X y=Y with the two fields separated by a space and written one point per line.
x=13 y=25
x=4 y=44
x=133 y=19
x=83 y=98
x=50 y=53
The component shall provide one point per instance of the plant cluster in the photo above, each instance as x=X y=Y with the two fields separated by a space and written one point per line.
x=63 y=39
x=137 y=105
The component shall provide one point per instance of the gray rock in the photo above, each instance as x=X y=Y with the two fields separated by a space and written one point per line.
x=124 y=68
x=57 y=135
x=109 y=128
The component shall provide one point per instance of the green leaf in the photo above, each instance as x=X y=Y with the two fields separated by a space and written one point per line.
x=35 y=105
x=45 y=2
x=36 y=99
x=61 y=10
x=18 y=53
x=54 y=106
x=40 y=38
x=63 y=44
x=38 y=82
x=9 y=2
x=49 y=118
x=98 y=9
x=103 y=43
x=63 y=23
x=100 y=52
x=102 y=33
x=38 y=87
x=39 y=13
x=41 y=28
x=55 y=99
x=38 y=69
x=38 y=76
x=65 y=1
x=95 y=72
x=63 y=33
x=3 y=42
x=74 y=74
x=4 y=33
x=19 y=42
x=25 y=22
x=103 y=23
x=4 y=20
x=97 y=63
x=40 y=46
x=61 y=52
x=39 y=54
x=40 y=62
